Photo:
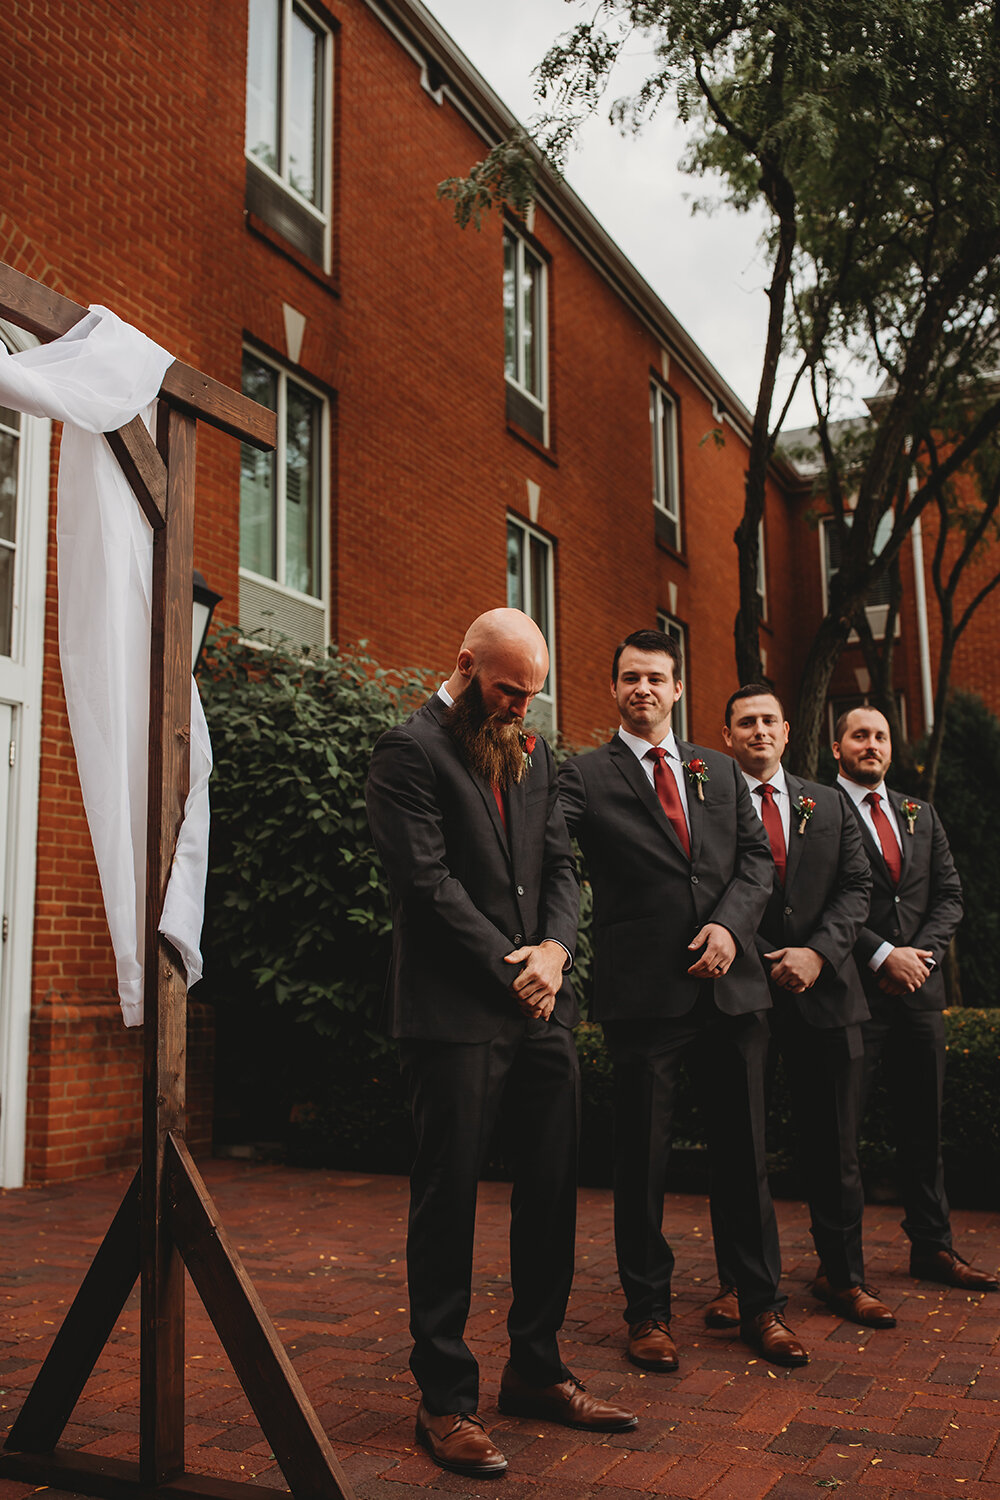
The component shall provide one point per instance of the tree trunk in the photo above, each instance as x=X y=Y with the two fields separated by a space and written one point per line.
x=810 y=713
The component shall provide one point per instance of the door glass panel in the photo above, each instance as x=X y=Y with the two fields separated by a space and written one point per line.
x=6 y=598
x=8 y=485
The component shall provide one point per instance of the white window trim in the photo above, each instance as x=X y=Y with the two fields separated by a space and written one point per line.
x=22 y=687
x=542 y=325
x=323 y=215
x=877 y=613
x=322 y=599
x=664 y=622
x=549 y=630
x=762 y=570
x=670 y=483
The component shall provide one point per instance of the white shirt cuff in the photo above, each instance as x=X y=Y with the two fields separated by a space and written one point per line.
x=880 y=955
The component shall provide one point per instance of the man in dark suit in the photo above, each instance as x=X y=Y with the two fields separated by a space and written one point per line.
x=463 y=809
x=916 y=906
x=681 y=873
x=806 y=940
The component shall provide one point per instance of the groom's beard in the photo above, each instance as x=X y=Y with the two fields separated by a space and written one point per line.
x=487 y=744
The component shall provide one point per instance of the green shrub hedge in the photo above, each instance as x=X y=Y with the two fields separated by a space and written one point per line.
x=361 y=1121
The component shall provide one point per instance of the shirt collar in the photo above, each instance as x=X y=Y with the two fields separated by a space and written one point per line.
x=445 y=696
x=777 y=781
x=641 y=748
x=858 y=793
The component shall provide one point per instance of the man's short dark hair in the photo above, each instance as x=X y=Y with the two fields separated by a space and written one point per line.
x=650 y=640
x=752 y=690
x=863 y=708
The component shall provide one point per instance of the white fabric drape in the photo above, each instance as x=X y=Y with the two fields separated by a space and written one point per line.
x=96 y=379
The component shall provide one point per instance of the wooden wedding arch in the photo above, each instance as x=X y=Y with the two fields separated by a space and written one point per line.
x=167 y=1219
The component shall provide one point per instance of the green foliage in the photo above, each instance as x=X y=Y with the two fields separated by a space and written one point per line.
x=297 y=914
x=965 y=796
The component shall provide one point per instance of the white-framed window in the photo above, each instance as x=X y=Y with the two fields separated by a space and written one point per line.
x=761 y=570
x=677 y=632
x=531 y=588
x=284 y=506
x=10 y=468
x=524 y=342
x=666 y=469
x=288 y=122
x=877 y=604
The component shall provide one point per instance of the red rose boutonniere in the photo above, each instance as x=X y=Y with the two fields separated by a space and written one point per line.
x=910 y=810
x=805 y=807
x=697 y=775
x=528 y=743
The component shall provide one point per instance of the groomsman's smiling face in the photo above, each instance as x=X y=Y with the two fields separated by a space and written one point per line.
x=864 y=749
x=757 y=735
x=645 y=692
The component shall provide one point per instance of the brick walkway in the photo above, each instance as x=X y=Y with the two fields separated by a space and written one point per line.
x=876 y=1415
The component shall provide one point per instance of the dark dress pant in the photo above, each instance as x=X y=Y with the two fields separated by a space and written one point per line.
x=727 y=1055
x=527 y=1078
x=908 y=1047
x=824 y=1067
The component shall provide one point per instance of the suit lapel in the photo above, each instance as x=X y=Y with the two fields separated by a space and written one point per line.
x=874 y=849
x=628 y=765
x=796 y=840
x=695 y=806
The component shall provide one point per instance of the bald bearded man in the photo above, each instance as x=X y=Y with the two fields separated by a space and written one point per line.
x=463 y=809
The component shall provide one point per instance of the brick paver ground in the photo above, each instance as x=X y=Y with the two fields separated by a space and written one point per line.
x=878 y=1415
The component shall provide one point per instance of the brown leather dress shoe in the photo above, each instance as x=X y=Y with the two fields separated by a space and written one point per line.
x=771 y=1336
x=459 y=1442
x=567 y=1402
x=724 y=1309
x=859 y=1304
x=948 y=1267
x=650 y=1345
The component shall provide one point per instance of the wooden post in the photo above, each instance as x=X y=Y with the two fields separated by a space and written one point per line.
x=167 y=1217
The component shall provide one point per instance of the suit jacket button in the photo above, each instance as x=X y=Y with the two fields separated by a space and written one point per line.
x=520 y=890
x=896 y=899
x=694 y=880
x=518 y=939
x=788 y=911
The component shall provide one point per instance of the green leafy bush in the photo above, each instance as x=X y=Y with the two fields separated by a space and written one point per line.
x=965 y=796
x=296 y=940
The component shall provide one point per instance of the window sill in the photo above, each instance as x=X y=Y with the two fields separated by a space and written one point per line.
x=533 y=443
x=678 y=557
x=259 y=227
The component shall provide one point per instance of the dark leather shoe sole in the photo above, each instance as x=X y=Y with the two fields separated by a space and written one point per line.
x=471 y=1471
x=663 y=1366
x=523 y=1406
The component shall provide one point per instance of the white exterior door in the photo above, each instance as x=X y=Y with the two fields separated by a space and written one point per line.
x=24 y=509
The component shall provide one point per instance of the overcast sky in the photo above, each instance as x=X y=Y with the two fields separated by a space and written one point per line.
x=706 y=268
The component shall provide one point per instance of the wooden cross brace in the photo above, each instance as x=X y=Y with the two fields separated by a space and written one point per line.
x=167 y=1219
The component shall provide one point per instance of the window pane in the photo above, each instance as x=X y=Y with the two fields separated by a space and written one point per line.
x=258 y=548
x=539 y=608
x=302 y=492
x=10 y=418
x=529 y=325
x=304 y=86
x=8 y=485
x=515 y=567
x=6 y=598
x=509 y=307
x=654 y=428
x=263 y=90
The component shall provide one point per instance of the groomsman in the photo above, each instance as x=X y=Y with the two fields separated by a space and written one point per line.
x=681 y=873
x=916 y=906
x=806 y=939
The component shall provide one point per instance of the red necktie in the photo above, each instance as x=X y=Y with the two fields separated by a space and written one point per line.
x=771 y=819
x=670 y=798
x=498 y=795
x=886 y=837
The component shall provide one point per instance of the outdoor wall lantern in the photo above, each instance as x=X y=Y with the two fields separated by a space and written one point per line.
x=205 y=600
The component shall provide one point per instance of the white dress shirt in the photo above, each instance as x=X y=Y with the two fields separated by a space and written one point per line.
x=782 y=798
x=857 y=794
x=641 y=748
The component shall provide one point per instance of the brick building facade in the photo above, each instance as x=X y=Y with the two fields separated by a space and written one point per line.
x=465 y=419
